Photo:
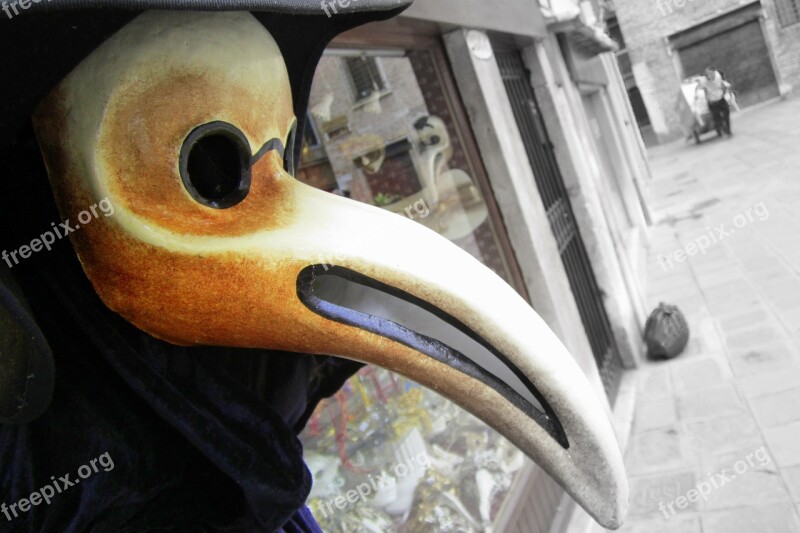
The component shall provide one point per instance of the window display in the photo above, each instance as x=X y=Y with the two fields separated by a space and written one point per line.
x=387 y=454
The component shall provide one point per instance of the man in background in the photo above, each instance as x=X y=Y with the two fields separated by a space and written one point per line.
x=716 y=88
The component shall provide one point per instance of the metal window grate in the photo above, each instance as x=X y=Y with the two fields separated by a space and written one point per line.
x=562 y=219
x=788 y=12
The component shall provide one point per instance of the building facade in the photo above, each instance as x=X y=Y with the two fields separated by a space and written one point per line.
x=755 y=43
x=506 y=128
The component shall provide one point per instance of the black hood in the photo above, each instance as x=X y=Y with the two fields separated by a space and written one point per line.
x=45 y=42
x=203 y=438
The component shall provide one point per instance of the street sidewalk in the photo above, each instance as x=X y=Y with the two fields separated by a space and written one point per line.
x=724 y=417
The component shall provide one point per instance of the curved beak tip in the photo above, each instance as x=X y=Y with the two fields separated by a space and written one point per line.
x=611 y=514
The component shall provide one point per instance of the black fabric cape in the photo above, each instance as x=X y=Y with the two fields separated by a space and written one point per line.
x=201 y=439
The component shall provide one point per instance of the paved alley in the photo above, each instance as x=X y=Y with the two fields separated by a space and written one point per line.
x=724 y=418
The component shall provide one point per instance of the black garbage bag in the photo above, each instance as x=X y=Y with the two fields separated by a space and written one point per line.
x=666 y=332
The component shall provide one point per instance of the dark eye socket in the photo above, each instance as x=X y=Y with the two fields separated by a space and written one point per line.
x=215 y=165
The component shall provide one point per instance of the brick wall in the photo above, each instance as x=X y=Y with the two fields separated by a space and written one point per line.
x=646 y=24
x=785 y=44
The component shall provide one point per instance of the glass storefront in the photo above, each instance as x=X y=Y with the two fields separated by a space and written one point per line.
x=387 y=454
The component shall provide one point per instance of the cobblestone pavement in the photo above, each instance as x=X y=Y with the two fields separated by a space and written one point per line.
x=724 y=417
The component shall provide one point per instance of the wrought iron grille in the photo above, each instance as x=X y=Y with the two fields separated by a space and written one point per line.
x=562 y=219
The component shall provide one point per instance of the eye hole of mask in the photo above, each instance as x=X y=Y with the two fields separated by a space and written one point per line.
x=215 y=165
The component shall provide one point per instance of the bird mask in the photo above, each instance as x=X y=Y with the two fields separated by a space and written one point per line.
x=183 y=125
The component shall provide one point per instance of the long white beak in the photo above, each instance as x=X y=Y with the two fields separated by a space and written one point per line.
x=406 y=299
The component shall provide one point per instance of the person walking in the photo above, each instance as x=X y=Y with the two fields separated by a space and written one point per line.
x=716 y=88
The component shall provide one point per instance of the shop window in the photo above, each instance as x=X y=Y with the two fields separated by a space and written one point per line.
x=418 y=453
x=788 y=12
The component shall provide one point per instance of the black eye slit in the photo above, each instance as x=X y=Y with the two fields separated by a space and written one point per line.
x=215 y=165
x=288 y=154
x=324 y=290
